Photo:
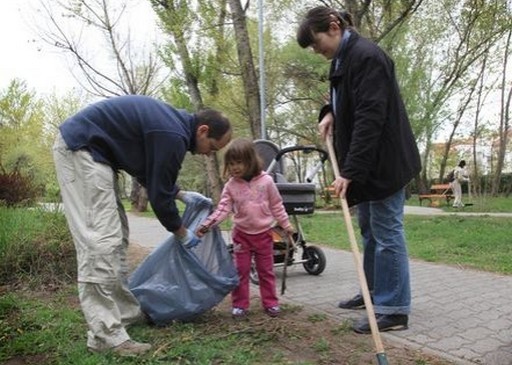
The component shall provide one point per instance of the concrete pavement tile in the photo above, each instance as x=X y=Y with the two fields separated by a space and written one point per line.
x=449 y=331
x=502 y=324
x=500 y=357
x=470 y=355
x=486 y=345
x=476 y=334
x=473 y=322
x=421 y=339
x=504 y=337
x=499 y=324
x=451 y=343
x=458 y=313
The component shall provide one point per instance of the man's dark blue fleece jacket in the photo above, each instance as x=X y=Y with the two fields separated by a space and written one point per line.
x=143 y=136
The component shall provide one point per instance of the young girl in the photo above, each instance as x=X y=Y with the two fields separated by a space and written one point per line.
x=253 y=198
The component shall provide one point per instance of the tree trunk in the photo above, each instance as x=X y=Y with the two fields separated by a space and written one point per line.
x=177 y=31
x=504 y=123
x=249 y=79
x=138 y=197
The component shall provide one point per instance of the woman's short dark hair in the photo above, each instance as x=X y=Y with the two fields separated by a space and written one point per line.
x=218 y=124
x=318 y=20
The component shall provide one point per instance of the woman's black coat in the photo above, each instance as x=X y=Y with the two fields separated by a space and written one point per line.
x=374 y=143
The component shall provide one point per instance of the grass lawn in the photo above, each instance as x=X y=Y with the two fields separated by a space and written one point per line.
x=480 y=204
x=480 y=242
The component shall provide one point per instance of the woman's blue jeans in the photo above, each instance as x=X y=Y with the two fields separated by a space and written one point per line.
x=385 y=261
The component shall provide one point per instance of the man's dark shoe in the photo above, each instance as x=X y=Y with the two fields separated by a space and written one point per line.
x=385 y=322
x=356 y=302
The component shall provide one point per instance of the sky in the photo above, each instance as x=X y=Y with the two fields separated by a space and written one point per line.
x=26 y=57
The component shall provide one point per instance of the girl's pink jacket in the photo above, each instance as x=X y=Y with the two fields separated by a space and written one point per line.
x=255 y=205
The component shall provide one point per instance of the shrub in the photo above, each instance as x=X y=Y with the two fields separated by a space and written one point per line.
x=35 y=248
x=16 y=189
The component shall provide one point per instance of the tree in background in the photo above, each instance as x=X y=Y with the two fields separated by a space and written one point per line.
x=56 y=109
x=456 y=51
x=120 y=68
x=191 y=26
x=504 y=123
x=22 y=151
x=447 y=55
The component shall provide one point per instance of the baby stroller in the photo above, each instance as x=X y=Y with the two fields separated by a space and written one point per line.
x=298 y=199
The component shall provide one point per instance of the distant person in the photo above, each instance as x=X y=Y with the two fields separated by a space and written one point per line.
x=460 y=175
x=376 y=153
x=148 y=139
x=252 y=196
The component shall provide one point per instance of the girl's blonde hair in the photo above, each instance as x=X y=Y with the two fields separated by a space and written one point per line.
x=242 y=149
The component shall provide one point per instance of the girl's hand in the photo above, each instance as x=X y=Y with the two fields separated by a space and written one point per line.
x=201 y=231
x=290 y=230
x=325 y=126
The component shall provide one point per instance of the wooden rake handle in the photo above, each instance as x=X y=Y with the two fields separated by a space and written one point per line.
x=357 y=257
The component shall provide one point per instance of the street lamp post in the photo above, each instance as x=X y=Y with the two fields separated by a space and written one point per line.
x=262 y=70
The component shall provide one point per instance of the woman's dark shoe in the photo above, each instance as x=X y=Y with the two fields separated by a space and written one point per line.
x=385 y=322
x=356 y=302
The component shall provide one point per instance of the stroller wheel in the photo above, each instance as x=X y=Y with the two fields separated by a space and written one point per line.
x=316 y=261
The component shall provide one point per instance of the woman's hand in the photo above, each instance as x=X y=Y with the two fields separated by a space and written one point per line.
x=340 y=186
x=325 y=126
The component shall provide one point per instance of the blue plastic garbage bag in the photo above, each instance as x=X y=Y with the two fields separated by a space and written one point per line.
x=176 y=283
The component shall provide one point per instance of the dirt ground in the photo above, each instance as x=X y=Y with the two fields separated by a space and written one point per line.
x=301 y=334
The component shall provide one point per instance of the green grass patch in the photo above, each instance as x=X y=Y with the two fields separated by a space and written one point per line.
x=481 y=242
x=35 y=247
x=478 y=242
x=51 y=328
x=480 y=204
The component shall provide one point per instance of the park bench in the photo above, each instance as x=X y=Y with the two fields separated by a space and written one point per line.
x=438 y=193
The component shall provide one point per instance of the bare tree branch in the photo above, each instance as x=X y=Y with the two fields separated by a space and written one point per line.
x=127 y=73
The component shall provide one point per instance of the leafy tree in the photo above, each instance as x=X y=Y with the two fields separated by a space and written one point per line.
x=127 y=70
x=504 y=121
x=56 y=109
x=180 y=20
x=467 y=33
x=22 y=144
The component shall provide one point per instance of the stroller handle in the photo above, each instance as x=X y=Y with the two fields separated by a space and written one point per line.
x=306 y=149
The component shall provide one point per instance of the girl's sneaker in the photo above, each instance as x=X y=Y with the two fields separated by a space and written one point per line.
x=238 y=312
x=273 y=311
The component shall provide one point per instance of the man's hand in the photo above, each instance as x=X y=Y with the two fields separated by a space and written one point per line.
x=191 y=197
x=189 y=240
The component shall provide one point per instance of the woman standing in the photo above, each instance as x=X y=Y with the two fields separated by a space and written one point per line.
x=376 y=153
x=460 y=175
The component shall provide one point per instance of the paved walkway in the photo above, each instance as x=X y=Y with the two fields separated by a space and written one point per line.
x=464 y=316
